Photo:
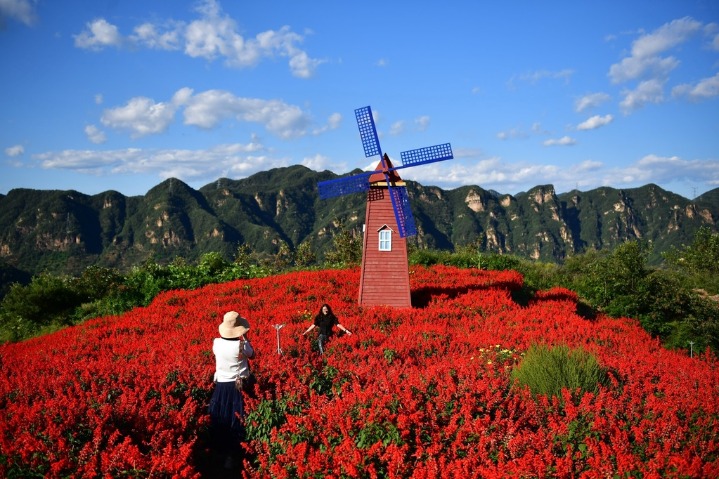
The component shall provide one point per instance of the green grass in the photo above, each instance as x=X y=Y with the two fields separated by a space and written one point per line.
x=547 y=370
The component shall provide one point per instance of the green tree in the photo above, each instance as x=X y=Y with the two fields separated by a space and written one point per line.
x=699 y=261
x=211 y=265
x=243 y=255
x=626 y=271
x=144 y=282
x=701 y=255
x=284 y=257
x=47 y=301
x=304 y=255
x=614 y=282
x=97 y=282
x=346 y=249
x=470 y=254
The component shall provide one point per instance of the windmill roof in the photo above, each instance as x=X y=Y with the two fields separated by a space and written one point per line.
x=379 y=177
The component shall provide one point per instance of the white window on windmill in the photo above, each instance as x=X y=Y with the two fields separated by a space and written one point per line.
x=385 y=238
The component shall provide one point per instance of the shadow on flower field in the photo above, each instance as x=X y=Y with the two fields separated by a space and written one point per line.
x=412 y=393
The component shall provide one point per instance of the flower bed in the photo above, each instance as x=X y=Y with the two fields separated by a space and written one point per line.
x=422 y=392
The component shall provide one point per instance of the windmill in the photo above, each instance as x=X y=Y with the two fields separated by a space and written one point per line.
x=384 y=276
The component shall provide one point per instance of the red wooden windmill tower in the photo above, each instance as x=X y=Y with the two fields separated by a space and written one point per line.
x=385 y=270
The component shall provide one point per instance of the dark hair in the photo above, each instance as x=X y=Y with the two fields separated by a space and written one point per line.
x=329 y=309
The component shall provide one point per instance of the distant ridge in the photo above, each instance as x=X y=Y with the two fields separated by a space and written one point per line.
x=66 y=231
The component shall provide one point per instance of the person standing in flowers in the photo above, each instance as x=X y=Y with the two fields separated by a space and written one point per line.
x=232 y=350
x=325 y=321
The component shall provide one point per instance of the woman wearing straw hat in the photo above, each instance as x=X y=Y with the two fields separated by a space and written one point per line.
x=232 y=350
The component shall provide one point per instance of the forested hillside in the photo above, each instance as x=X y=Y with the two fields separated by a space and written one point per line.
x=66 y=231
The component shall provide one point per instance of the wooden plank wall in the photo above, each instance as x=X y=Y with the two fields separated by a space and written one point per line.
x=384 y=278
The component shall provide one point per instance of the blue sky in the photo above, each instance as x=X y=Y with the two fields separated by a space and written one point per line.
x=104 y=95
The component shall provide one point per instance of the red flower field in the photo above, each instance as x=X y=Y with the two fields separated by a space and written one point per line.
x=421 y=393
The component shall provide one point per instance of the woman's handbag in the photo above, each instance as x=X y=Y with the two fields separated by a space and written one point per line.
x=245 y=383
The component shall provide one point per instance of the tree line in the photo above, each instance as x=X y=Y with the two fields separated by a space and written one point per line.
x=677 y=302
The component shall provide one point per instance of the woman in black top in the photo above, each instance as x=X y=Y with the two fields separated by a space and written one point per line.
x=325 y=320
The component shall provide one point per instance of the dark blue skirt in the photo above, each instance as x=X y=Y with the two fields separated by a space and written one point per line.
x=227 y=414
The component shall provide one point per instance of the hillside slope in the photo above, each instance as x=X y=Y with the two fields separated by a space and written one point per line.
x=65 y=231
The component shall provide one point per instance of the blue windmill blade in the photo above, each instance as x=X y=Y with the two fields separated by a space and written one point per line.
x=428 y=154
x=345 y=185
x=368 y=132
x=402 y=211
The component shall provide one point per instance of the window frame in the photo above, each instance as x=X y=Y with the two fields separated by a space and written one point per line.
x=385 y=239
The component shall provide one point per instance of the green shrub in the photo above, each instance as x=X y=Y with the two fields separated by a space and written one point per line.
x=346 y=249
x=427 y=257
x=500 y=262
x=43 y=305
x=546 y=371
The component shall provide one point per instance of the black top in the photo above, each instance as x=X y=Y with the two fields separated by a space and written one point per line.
x=325 y=323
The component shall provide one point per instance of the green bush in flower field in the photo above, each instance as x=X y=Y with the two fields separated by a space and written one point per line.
x=547 y=370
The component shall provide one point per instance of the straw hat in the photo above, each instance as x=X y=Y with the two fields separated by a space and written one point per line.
x=233 y=325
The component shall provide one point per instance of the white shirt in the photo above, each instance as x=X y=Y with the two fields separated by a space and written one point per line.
x=228 y=361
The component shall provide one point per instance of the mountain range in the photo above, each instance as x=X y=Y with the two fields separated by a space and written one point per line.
x=66 y=231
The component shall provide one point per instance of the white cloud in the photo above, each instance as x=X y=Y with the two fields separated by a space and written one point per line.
x=150 y=36
x=511 y=177
x=189 y=165
x=635 y=67
x=20 y=10
x=537 y=129
x=512 y=134
x=15 y=150
x=664 y=169
x=140 y=116
x=665 y=37
x=645 y=59
x=595 y=122
x=302 y=66
x=316 y=163
x=98 y=35
x=706 y=88
x=649 y=91
x=208 y=108
x=94 y=134
x=213 y=35
x=182 y=96
x=99 y=99
x=333 y=122
x=422 y=122
x=590 y=101
x=500 y=175
x=587 y=166
x=397 y=128
x=537 y=75
x=518 y=133
x=563 y=141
